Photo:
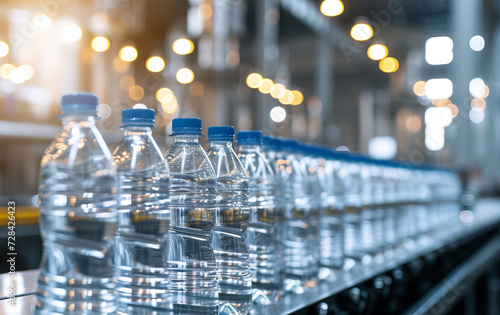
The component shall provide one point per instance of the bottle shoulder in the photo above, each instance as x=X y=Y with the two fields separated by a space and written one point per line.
x=189 y=162
x=225 y=162
x=78 y=144
x=136 y=153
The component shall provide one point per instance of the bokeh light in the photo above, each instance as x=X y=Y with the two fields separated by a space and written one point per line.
x=184 y=76
x=389 y=65
x=183 y=46
x=476 y=116
x=4 y=49
x=127 y=82
x=361 y=32
x=478 y=103
x=476 y=43
x=128 y=53
x=278 y=114
x=332 y=7
x=254 y=80
x=278 y=90
x=100 y=43
x=419 y=88
x=164 y=95
x=42 y=22
x=441 y=102
x=454 y=109
x=136 y=92
x=298 y=97
x=377 y=52
x=155 y=64
x=287 y=98
x=266 y=85
x=5 y=70
x=72 y=33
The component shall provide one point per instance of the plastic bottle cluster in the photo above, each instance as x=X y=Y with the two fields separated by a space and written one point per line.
x=195 y=232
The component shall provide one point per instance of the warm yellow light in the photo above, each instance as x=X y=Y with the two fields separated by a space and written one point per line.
x=254 y=80
x=287 y=98
x=389 y=65
x=136 y=92
x=184 y=76
x=42 y=22
x=72 y=33
x=361 y=32
x=377 y=52
x=440 y=102
x=4 y=49
x=332 y=7
x=265 y=86
x=278 y=90
x=419 y=88
x=298 y=97
x=205 y=10
x=171 y=106
x=454 y=109
x=128 y=53
x=100 y=44
x=183 y=46
x=27 y=71
x=164 y=95
x=478 y=103
x=486 y=91
x=127 y=82
x=155 y=64
x=5 y=70
x=413 y=123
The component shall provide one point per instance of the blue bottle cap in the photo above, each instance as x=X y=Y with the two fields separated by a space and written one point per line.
x=186 y=126
x=220 y=133
x=289 y=145
x=140 y=117
x=267 y=140
x=250 y=137
x=79 y=103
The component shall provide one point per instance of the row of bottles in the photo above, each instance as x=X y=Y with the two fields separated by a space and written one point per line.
x=195 y=232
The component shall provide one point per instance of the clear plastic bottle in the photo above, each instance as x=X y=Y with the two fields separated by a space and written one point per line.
x=232 y=216
x=331 y=222
x=262 y=233
x=78 y=217
x=300 y=253
x=191 y=260
x=144 y=218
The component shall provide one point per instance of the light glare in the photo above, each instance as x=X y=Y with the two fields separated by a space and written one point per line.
x=184 y=76
x=100 y=44
x=277 y=114
x=155 y=64
x=361 y=32
x=476 y=116
x=477 y=88
x=332 y=7
x=439 y=88
x=254 y=80
x=439 y=50
x=377 y=52
x=183 y=46
x=128 y=53
x=476 y=43
x=72 y=33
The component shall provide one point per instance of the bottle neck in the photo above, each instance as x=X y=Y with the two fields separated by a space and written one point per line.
x=137 y=131
x=218 y=144
x=186 y=138
x=247 y=148
x=79 y=119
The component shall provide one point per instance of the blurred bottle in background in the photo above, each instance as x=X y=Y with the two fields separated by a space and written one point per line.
x=232 y=216
x=78 y=217
x=191 y=261
x=300 y=255
x=262 y=234
x=141 y=240
x=331 y=221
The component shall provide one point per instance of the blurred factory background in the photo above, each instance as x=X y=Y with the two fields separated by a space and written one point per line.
x=414 y=80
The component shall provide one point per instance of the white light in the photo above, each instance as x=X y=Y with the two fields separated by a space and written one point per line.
x=434 y=138
x=476 y=43
x=439 y=50
x=42 y=22
x=476 y=116
x=72 y=33
x=278 y=114
x=382 y=148
x=466 y=216
x=4 y=49
x=17 y=76
x=140 y=106
x=439 y=88
x=477 y=88
x=104 y=111
x=438 y=117
x=342 y=148
x=155 y=64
